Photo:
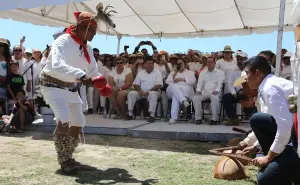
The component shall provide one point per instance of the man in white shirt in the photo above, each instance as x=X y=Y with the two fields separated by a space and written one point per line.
x=69 y=65
x=272 y=128
x=147 y=85
x=209 y=86
x=229 y=99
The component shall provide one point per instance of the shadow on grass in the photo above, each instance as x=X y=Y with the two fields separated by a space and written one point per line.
x=135 y=143
x=91 y=175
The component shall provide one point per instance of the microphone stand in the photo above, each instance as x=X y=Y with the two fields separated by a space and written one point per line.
x=32 y=86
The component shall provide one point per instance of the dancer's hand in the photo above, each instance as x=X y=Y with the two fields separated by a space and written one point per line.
x=87 y=81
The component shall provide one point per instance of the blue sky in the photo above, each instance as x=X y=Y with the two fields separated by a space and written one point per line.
x=40 y=36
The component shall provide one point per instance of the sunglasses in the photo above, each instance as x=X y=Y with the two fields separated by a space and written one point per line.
x=119 y=63
x=17 y=50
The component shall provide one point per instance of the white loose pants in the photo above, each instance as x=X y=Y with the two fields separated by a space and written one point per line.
x=134 y=96
x=66 y=105
x=178 y=93
x=215 y=105
x=83 y=97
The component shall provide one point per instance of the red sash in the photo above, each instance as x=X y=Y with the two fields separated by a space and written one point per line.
x=296 y=124
x=76 y=39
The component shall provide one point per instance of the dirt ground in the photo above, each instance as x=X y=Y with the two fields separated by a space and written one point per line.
x=30 y=158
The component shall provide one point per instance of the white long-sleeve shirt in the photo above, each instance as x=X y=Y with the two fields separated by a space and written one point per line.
x=67 y=62
x=211 y=81
x=227 y=67
x=295 y=62
x=190 y=81
x=273 y=93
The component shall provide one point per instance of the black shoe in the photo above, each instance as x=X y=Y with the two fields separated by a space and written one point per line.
x=212 y=122
x=199 y=122
x=129 y=118
x=90 y=111
x=151 y=119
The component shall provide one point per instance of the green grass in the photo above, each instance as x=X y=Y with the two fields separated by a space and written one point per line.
x=30 y=158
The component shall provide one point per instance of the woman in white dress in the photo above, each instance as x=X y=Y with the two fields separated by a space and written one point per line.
x=120 y=79
x=180 y=88
x=228 y=65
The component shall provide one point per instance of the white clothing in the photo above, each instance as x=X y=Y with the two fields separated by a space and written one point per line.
x=286 y=71
x=211 y=81
x=180 y=91
x=273 y=93
x=148 y=80
x=119 y=79
x=83 y=97
x=134 y=96
x=67 y=63
x=162 y=69
x=235 y=75
x=228 y=68
x=194 y=66
x=215 y=105
x=187 y=86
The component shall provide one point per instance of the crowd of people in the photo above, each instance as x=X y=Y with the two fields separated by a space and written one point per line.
x=182 y=79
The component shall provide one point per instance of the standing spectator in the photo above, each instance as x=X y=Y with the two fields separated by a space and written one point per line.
x=147 y=85
x=164 y=67
x=120 y=79
x=230 y=99
x=139 y=64
x=28 y=54
x=5 y=59
x=180 y=88
x=209 y=87
x=286 y=71
x=227 y=64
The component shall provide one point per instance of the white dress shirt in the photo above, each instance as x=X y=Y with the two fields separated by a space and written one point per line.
x=189 y=78
x=211 y=81
x=235 y=75
x=148 y=80
x=273 y=93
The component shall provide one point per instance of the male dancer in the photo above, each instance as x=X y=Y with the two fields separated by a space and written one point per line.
x=69 y=65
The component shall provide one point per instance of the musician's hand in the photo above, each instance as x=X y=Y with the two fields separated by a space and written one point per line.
x=261 y=161
x=28 y=88
x=242 y=145
x=249 y=150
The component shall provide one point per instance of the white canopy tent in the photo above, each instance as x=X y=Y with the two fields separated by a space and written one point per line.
x=163 y=18
x=160 y=18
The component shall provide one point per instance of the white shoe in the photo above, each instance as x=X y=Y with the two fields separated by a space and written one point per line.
x=186 y=103
x=172 y=121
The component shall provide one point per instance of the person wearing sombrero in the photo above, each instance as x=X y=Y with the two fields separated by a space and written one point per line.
x=227 y=64
x=70 y=64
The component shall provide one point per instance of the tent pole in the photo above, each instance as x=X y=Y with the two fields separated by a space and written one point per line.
x=279 y=36
x=119 y=43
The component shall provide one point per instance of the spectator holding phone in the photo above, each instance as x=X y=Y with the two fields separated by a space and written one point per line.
x=144 y=50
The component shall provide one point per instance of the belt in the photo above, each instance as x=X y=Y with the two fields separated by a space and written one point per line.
x=49 y=81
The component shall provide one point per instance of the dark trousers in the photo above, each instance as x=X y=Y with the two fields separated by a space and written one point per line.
x=285 y=168
x=229 y=103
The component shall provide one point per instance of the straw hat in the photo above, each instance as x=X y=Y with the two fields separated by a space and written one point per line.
x=206 y=55
x=163 y=52
x=4 y=41
x=140 y=54
x=227 y=48
x=238 y=82
x=173 y=56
